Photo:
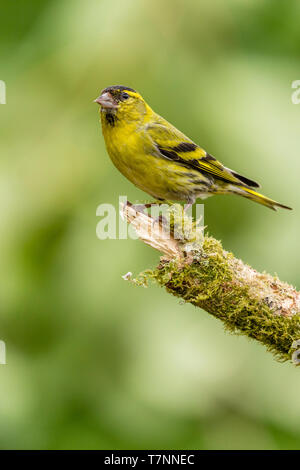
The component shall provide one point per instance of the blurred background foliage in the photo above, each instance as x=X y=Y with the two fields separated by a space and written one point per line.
x=93 y=362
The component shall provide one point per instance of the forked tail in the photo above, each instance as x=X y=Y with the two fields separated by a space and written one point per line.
x=257 y=197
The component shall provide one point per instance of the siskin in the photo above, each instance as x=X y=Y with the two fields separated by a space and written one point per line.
x=161 y=160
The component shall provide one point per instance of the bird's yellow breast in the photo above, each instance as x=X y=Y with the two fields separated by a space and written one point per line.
x=124 y=144
x=132 y=153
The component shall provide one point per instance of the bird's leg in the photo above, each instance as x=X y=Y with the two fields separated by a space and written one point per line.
x=146 y=205
x=160 y=219
x=190 y=202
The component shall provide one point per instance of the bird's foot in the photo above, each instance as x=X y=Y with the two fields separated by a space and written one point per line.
x=160 y=220
x=146 y=205
x=141 y=207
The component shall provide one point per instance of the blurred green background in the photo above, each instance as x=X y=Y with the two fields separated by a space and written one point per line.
x=92 y=361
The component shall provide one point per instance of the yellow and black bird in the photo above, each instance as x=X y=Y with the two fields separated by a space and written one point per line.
x=161 y=160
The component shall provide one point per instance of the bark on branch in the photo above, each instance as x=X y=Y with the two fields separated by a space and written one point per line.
x=203 y=273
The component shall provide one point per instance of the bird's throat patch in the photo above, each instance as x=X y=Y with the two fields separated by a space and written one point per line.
x=110 y=118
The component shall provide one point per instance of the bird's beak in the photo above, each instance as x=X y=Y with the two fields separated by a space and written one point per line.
x=106 y=101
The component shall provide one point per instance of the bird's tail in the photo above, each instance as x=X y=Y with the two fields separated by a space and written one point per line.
x=257 y=197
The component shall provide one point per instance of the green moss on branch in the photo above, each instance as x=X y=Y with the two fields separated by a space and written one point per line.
x=202 y=273
x=247 y=302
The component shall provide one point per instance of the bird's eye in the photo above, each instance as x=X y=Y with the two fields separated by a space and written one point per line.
x=125 y=96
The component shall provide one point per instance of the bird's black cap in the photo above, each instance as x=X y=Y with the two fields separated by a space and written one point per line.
x=118 y=87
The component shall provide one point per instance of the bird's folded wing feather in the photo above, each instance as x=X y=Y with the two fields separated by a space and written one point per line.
x=168 y=142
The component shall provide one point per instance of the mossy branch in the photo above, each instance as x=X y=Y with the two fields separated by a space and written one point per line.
x=201 y=272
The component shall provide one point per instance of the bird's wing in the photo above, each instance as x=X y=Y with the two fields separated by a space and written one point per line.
x=173 y=145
